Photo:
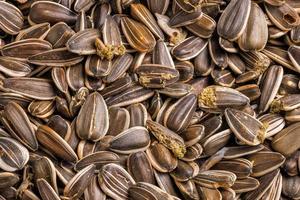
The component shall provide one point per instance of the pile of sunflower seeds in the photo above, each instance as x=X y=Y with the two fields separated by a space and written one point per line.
x=150 y=99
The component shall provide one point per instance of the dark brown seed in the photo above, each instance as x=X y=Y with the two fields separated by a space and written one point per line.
x=92 y=122
x=234 y=19
x=285 y=141
x=51 y=12
x=156 y=76
x=245 y=127
x=23 y=49
x=99 y=159
x=168 y=138
x=55 y=144
x=261 y=166
x=82 y=42
x=36 y=88
x=189 y=48
x=140 y=168
x=115 y=181
x=144 y=191
x=132 y=140
x=119 y=66
x=59 y=34
x=265 y=183
x=16 y=121
x=134 y=94
x=11 y=18
x=14 y=67
x=241 y=167
x=178 y=115
x=46 y=191
x=161 y=158
x=79 y=182
x=8 y=179
x=55 y=58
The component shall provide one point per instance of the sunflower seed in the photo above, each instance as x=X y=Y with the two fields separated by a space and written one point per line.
x=52 y=12
x=233 y=20
x=11 y=18
x=16 y=121
x=215 y=178
x=245 y=127
x=115 y=181
x=49 y=139
x=132 y=140
x=168 y=138
x=79 y=182
x=93 y=121
x=285 y=141
x=140 y=167
x=161 y=158
x=36 y=88
x=138 y=35
x=14 y=156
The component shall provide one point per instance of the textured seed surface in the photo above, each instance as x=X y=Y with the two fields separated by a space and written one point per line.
x=150 y=100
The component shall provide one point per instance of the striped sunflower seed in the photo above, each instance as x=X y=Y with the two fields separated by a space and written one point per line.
x=56 y=58
x=241 y=167
x=14 y=67
x=36 y=88
x=38 y=31
x=115 y=181
x=8 y=179
x=53 y=142
x=14 y=156
x=11 y=18
x=185 y=106
x=59 y=34
x=142 y=14
x=233 y=20
x=245 y=127
x=214 y=179
x=119 y=120
x=185 y=171
x=82 y=42
x=255 y=35
x=140 y=168
x=218 y=98
x=189 y=48
x=51 y=12
x=138 y=35
x=270 y=86
x=45 y=169
x=245 y=185
x=132 y=140
x=16 y=121
x=168 y=138
x=261 y=167
x=286 y=141
x=99 y=159
x=161 y=158
x=138 y=114
x=143 y=191
x=23 y=49
x=46 y=191
x=76 y=186
x=156 y=76
x=93 y=121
